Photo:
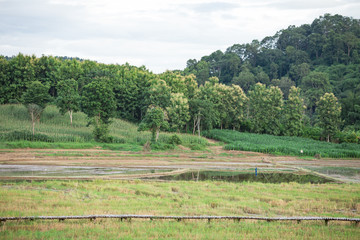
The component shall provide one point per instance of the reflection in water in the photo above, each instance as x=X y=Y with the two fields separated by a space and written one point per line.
x=247 y=177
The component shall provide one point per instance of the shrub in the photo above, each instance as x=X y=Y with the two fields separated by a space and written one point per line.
x=175 y=140
x=161 y=146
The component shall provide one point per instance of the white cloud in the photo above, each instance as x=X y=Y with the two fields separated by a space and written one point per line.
x=159 y=34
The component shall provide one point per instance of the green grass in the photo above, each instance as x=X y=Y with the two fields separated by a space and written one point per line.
x=23 y=198
x=283 y=145
x=54 y=131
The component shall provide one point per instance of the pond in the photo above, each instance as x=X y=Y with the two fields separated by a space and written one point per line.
x=231 y=176
x=65 y=171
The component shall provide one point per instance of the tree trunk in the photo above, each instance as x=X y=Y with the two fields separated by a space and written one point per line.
x=71 y=116
x=33 y=122
x=157 y=134
x=328 y=138
x=194 y=129
x=198 y=125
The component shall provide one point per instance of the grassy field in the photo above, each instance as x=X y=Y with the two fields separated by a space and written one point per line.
x=177 y=198
x=54 y=131
x=283 y=145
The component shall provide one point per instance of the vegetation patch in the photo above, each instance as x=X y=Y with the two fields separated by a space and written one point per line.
x=283 y=145
x=55 y=131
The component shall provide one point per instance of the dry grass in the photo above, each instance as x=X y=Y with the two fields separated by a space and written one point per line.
x=176 y=198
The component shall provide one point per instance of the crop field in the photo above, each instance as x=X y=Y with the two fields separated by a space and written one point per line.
x=294 y=146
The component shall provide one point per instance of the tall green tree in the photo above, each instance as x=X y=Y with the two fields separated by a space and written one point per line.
x=5 y=93
x=21 y=74
x=245 y=79
x=155 y=119
x=265 y=107
x=202 y=113
x=159 y=94
x=98 y=103
x=294 y=110
x=238 y=106
x=284 y=84
x=35 y=98
x=314 y=85
x=68 y=99
x=178 y=111
x=329 y=110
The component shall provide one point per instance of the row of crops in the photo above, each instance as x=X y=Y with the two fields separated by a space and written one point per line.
x=283 y=145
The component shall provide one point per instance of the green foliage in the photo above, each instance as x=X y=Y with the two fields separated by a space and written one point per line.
x=245 y=80
x=319 y=57
x=314 y=133
x=175 y=140
x=154 y=120
x=98 y=100
x=101 y=132
x=178 y=111
x=265 y=109
x=329 y=111
x=159 y=146
x=68 y=97
x=58 y=129
x=35 y=99
x=293 y=113
x=36 y=93
x=159 y=94
x=315 y=85
x=283 y=145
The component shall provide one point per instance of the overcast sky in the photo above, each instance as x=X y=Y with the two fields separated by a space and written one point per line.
x=160 y=34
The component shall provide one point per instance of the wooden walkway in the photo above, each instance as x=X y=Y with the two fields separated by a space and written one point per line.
x=180 y=218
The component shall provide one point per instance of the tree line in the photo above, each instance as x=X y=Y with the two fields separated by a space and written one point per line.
x=283 y=85
x=320 y=57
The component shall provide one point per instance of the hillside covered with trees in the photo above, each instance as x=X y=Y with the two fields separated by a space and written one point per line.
x=303 y=81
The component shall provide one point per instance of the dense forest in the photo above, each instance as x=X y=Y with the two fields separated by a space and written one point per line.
x=303 y=81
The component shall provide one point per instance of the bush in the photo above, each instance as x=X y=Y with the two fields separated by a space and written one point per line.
x=14 y=101
x=197 y=147
x=175 y=140
x=161 y=146
x=351 y=137
x=312 y=132
x=101 y=133
x=118 y=140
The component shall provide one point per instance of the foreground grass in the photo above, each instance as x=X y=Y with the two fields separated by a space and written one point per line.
x=176 y=198
x=159 y=229
x=283 y=145
x=55 y=131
